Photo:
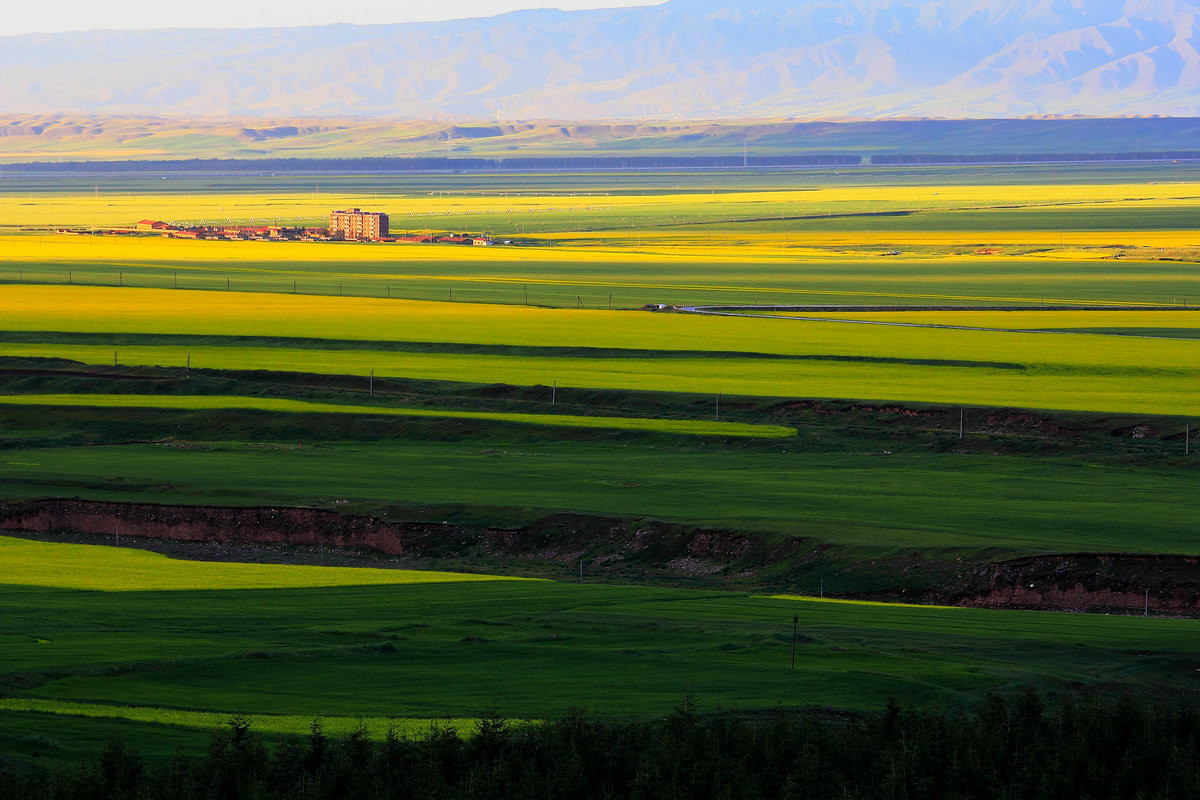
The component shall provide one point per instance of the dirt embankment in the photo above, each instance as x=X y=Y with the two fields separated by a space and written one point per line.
x=624 y=550
x=299 y=526
x=609 y=546
x=1080 y=582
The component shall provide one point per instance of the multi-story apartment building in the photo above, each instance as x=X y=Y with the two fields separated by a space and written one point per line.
x=355 y=224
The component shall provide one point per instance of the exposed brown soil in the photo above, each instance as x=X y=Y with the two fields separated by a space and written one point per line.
x=1081 y=582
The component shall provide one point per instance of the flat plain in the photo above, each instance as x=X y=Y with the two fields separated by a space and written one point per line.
x=526 y=391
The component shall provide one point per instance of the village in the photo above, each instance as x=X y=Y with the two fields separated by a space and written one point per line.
x=350 y=225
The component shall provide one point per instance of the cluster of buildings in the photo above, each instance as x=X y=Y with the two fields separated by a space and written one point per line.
x=351 y=225
x=277 y=233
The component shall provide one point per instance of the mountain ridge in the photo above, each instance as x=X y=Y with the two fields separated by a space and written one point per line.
x=870 y=59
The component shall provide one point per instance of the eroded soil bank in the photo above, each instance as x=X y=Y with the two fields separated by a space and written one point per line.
x=621 y=550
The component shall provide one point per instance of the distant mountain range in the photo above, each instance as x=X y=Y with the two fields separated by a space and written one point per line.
x=692 y=59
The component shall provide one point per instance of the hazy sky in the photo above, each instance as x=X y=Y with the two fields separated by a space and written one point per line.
x=50 y=16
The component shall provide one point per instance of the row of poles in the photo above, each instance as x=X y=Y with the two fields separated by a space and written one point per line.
x=962 y=412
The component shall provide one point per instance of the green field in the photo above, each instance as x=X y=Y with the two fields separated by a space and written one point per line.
x=878 y=502
x=527 y=416
x=529 y=649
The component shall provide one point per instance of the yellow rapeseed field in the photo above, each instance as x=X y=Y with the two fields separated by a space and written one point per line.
x=418 y=211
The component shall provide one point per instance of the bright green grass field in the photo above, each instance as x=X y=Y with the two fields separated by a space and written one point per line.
x=531 y=649
x=104 y=569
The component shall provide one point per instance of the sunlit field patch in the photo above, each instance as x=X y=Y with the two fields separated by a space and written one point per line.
x=270 y=724
x=71 y=566
x=282 y=405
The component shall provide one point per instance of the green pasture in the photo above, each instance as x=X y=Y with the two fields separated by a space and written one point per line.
x=529 y=650
x=878 y=501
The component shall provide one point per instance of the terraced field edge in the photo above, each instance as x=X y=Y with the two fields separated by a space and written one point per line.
x=626 y=550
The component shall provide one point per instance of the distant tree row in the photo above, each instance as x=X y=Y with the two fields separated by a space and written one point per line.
x=1007 y=748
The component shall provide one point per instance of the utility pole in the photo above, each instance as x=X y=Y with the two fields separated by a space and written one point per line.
x=371 y=385
x=795 y=625
x=962 y=419
x=718 y=406
x=581 y=570
x=554 y=394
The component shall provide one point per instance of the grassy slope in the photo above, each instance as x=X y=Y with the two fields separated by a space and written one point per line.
x=535 y=648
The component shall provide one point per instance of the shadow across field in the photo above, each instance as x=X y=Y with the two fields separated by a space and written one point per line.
x=457 y=348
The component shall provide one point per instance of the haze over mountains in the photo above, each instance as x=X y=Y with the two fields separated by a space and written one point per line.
x=684 y=59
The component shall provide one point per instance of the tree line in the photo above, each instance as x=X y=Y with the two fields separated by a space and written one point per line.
x=1006 y=748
